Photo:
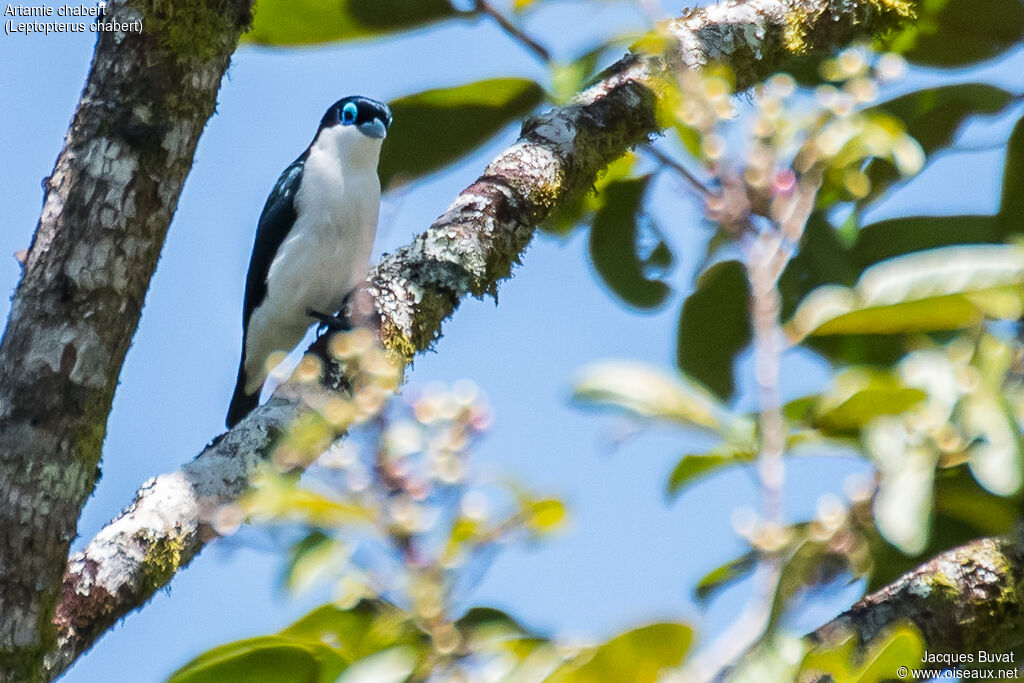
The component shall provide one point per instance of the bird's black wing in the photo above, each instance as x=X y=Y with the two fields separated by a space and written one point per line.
x=276 y=220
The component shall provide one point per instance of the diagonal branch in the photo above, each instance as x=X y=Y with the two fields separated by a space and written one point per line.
x=964 y=600
x=467 y=251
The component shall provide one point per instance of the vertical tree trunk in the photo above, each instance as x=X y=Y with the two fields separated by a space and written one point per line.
x=108 y=203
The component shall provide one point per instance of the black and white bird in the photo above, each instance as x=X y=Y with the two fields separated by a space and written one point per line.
x=313 y=241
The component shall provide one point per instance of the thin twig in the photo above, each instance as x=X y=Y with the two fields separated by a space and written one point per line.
x=485 y=7
x=671 y=163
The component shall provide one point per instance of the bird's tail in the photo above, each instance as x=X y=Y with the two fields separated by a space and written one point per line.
x=241 y=403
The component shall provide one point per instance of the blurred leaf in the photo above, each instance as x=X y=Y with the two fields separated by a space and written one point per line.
x=614 y=245
x=389 y=666
x=821 y=259
x=273 y=497
x=567 y=80
x=694 y=467
x=953 y=33
x=776 y=658
x=580 y=207
x=959 y=496
x=858 y=395
x=932 y=116
x=720 y=577
x=480 y=620
x=1011 y=209
x=357 y=632
x=267 y=659
x=714 y=326
x=897 y=646
x=315 y=558
x=940 y=289
x=308 y=22
x=895 y=237
x=994 y=455
x=903 y=504
x=545 y=515
x=649 y=392
x=434 y=128
x=637 y=656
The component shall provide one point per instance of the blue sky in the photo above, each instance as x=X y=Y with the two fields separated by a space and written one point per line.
x=627 y=556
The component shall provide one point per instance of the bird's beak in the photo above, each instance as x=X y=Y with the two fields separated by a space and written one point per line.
x=374 y=129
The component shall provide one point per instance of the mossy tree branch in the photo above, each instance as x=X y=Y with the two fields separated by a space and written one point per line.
x=965 y=600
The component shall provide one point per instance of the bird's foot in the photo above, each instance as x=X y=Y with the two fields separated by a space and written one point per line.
x=329 y=322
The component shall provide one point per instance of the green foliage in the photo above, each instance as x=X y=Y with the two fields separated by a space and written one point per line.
x=1011 y=209
x=692 y=468
x=933 y=115
x=847 y=662
x=720 y=577
x=637 y=656
x=267 y=659
x=955 y=33
x=650 y=393
x=284 y=23
x=942 y=289
x=614 y=246
x=714 y=327
x=435 y=128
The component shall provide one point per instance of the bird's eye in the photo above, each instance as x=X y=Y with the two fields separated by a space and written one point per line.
x=348 y=113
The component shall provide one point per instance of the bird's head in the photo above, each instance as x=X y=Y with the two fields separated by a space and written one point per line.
x=357 y=125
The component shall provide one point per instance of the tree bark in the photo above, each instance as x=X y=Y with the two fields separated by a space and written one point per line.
x=964 y=600
x=106 y=210
x=467 y=251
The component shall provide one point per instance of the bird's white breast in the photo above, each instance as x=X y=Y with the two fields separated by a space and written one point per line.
x=326 y=253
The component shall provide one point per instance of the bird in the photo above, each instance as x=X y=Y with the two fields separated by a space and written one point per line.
x=313 y=241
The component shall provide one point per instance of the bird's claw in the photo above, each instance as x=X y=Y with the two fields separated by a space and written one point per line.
x=330 y=322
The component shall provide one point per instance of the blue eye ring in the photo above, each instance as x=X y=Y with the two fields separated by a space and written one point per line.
x=348 y=113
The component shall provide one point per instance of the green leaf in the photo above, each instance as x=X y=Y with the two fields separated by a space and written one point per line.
x=953 y=33
x=714 y=326
x=315 y=558
x=434 y=128
x=720 y=577
x=637 y=656
x=545 y=515
x=567 y=80
x=858 y=395
x=267 y=659
x=695 y=467
x=940 y=289
x=277 y=498
x=357 y=632
x=994 y=455
x=388 y=666
x=775 y=658
x=959 y=496
x=900 y=645
x=898 y=236
x=1011 y=208
x=903 y=504
x=932 y=116
x=649 y=392
x=308 y=22
x=614 y=245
